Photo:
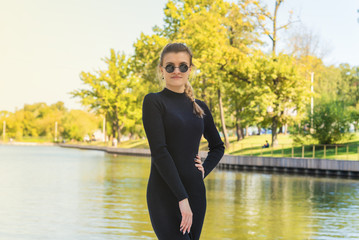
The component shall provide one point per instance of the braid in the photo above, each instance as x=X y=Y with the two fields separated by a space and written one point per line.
x=189 y=93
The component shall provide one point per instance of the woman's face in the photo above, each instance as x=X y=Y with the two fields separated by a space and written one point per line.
x=176 y=79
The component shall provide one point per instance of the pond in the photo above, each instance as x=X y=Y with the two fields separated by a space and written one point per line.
x=49 y=192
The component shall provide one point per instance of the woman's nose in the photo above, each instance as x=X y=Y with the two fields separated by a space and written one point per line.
x=176 y=70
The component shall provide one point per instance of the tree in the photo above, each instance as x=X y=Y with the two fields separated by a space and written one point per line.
x=331 y=122
x=348 y=90
x=219 y=33
x=302 y=42
x=146 y=59
x=111 y=93
x=77 y=124
x=285 y=90
x=263 y=16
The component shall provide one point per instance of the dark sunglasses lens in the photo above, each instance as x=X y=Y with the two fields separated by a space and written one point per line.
x=170 y=68
x=183 y=68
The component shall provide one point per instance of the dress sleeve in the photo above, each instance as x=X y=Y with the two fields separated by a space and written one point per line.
x=160 y=157
x=215 y=143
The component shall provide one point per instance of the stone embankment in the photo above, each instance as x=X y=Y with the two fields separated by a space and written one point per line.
x=310 y=166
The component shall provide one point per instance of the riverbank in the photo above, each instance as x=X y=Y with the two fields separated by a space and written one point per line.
x=272 y=164
x=252 y=146
x=311 y=166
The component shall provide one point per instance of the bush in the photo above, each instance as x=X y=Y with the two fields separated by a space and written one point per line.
x=330 y=123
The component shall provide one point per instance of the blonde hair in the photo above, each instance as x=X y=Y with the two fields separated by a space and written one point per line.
x=180 y=47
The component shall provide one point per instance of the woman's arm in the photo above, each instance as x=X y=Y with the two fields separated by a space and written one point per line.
x=215 y=143
x=153 y=125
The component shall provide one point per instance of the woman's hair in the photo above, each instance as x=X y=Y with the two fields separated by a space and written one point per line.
x=180 y=47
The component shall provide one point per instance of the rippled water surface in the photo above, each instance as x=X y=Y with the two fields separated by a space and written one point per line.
x=69 y=194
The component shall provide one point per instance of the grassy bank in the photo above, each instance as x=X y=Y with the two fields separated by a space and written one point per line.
x=252 y=145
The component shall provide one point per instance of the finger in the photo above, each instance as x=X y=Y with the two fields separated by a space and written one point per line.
x=187 y=225
x=182 y=224
x=198 y=165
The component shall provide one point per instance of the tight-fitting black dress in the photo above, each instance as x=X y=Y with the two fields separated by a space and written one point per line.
x=174 y=133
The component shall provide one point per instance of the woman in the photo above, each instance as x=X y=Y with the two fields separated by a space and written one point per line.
x=174 y=122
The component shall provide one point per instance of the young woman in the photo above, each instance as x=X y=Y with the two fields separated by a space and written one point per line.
x=174 y=122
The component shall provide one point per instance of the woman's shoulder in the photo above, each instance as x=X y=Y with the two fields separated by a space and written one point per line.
x=152 y=96
x=153 y=99
x=200 y=103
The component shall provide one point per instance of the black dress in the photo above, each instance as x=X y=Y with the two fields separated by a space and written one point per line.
x=174 y=133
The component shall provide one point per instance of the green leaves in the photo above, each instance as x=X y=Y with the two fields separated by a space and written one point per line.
x=111 y=92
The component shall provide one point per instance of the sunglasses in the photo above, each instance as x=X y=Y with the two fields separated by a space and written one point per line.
x=170 y=68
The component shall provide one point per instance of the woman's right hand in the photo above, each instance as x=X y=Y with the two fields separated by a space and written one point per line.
x=186 y=213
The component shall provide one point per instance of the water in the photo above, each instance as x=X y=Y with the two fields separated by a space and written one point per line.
x=59 y=193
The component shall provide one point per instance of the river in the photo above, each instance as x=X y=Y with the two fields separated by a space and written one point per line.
x=49 y=192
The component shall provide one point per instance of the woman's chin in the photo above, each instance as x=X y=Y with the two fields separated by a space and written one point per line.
x=178 y=83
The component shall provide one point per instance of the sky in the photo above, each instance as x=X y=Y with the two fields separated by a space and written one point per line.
x=45 y=45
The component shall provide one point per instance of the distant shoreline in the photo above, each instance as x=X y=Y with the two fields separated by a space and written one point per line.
x=28 y=143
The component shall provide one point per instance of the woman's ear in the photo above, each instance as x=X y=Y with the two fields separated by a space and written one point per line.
x=161 y=70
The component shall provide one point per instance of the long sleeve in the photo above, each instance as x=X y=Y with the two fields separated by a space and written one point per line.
x=161 y=158
x=215 y=143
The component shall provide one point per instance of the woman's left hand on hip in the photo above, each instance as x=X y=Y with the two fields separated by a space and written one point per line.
x=199 y=164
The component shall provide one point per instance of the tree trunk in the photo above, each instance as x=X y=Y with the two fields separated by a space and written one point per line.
x=247 y=131
x=259 y=130
x=222 y=119
x=285 y=129
x=238 y=127
x=274 y=131
x=280 y=129
x=119 y=129
x=242 y=132
x=114 y=127
x=237 y=131
x=274 y=38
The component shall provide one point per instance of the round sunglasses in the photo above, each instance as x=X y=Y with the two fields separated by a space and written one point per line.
x=170 y=68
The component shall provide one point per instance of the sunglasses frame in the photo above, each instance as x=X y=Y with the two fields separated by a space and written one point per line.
x=173 y=66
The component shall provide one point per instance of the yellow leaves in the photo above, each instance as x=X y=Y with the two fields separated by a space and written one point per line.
x=261 y=17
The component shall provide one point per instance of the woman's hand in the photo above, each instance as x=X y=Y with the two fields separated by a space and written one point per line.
x=199 y=164
x=186 y=213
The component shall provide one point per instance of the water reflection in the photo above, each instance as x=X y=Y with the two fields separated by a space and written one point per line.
x=57 y=193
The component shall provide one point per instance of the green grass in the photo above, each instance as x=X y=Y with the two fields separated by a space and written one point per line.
x=252 y=146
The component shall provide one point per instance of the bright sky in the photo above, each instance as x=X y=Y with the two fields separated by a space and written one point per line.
x=46 y=44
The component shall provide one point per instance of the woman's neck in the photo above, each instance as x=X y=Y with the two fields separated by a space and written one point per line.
x=176 y=89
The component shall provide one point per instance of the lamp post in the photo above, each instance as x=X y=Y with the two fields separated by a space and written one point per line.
x=311 y=103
